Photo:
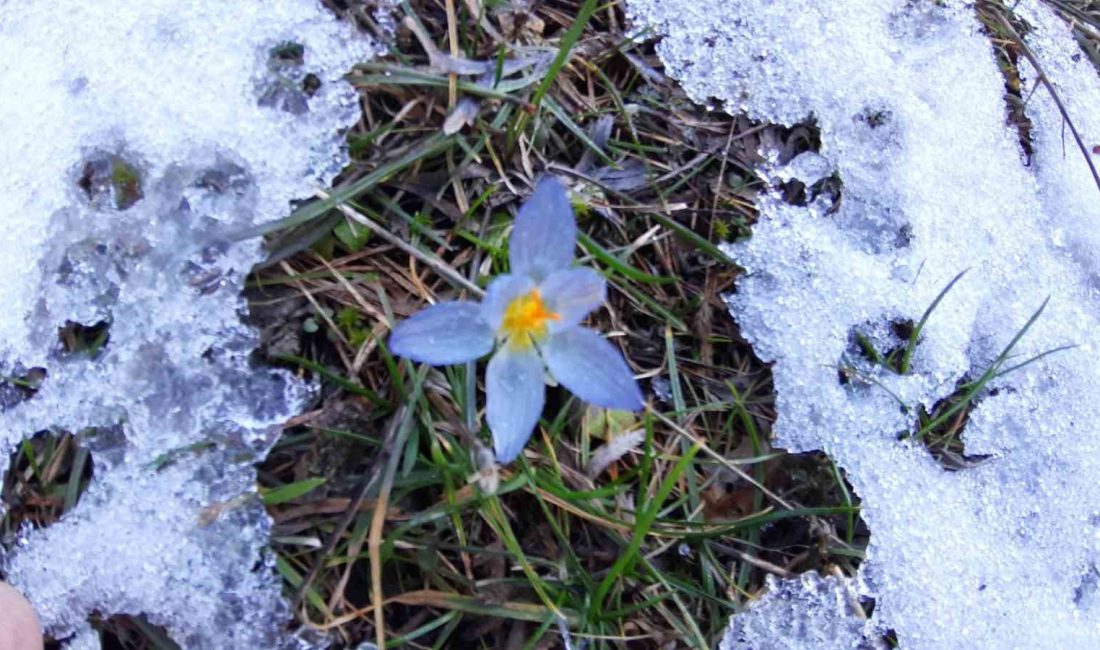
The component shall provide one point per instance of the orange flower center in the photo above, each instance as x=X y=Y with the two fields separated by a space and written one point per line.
x=525 y=319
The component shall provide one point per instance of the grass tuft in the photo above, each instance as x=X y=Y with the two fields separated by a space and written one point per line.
x=611 y=529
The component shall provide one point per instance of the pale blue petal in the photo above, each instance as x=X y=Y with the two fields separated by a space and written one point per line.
x=594 y=369
x=545 y=233
x=572 y=294
x=499 y=294
x=450 y=332
x=515 y=393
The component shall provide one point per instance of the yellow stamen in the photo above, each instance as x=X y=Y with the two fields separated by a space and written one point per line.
x=525 y=319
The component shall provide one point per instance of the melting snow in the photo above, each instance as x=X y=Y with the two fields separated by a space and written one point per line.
x=138 y=141
x=806 y=613
x=908 y=99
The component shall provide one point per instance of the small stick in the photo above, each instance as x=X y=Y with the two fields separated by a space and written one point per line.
x=1030 y=56
x=397 y=425
x=452 y=40
x=436 y=264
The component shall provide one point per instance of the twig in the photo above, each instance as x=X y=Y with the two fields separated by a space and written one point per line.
x=1034 y=61
x=721 y=459
x=751 y=559
x=452 y=40
x=371 y=479
x=378 y=519
x=436 y=264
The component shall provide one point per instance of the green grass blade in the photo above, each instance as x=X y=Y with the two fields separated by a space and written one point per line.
x=294 y=579
x=342 y=382
x=642 y=525
x=911 y=345
x=72 y=488
x=557 y=111
x=431 y=146
x=620 y=267
x=567 y=42
x=1031 y=360
x=291 y=491
x=696 y=240
x=572 y=35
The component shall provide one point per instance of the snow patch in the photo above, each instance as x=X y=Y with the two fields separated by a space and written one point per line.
x=140 y=142
x=806 y=613
x=908 y=100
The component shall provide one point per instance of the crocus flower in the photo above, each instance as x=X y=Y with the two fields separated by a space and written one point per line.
x=532 y=317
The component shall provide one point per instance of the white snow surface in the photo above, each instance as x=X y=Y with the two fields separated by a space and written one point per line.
x=224 y=134
x=909 y=102
x=806 y=613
